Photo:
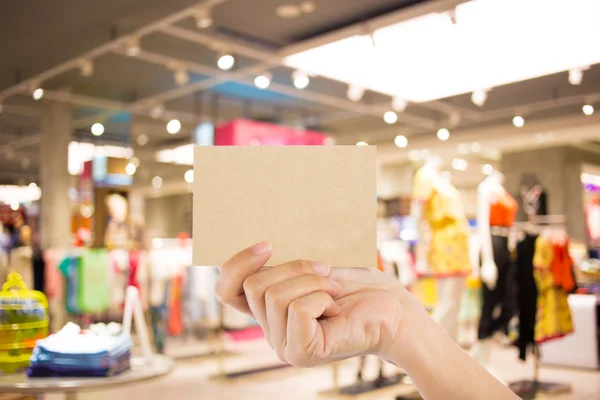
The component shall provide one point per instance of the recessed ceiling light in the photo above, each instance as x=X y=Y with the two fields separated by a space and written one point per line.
x=300 y=79
x=518 y=121
x=173 y=126
x=390 y=117
x=226 y=61
x=97 y=129
x=157 y=182
x=488 y=169
x=263 y=80
x=401 y=141
x=443 y=134
x=189 y=176
x=130 y=169
x=362 y=144
x=38 y=93
x=588 y=109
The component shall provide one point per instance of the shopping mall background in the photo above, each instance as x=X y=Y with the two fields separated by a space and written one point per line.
x=106 y=99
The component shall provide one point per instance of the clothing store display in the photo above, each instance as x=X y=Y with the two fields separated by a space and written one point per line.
x=93 y=281
x=592 y=220
x=21 y=261
x=501 y=296
x=118 y=277
x=75 y=353
x=448 y=248
x=69 y=267
x=526 y=294
x=553 y=313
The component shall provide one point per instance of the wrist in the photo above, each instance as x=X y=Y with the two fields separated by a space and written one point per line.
x=412 y=322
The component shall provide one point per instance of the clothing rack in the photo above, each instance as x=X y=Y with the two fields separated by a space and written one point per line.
x=529 y=388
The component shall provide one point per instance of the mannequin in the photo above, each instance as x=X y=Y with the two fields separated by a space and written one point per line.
x=496 y=212
x=443 y=249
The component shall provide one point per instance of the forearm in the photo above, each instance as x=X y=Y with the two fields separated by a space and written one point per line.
x=438 y=367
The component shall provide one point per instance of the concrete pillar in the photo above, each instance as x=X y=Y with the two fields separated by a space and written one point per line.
x=55 y=217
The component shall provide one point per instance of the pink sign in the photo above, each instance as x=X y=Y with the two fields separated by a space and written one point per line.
x=242 y=132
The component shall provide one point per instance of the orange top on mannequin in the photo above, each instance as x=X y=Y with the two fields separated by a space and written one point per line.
x=503 y=211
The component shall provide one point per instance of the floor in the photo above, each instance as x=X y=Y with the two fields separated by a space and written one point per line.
x=200 y=378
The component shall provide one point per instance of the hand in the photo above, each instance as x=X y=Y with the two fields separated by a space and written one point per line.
x=312 y=314
x=489 y=274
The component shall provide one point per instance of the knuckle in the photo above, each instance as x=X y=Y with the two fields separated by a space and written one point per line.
x=296 y=359
x=302 y=267
x=251 y=286
x=296 y=307
x=273 y=296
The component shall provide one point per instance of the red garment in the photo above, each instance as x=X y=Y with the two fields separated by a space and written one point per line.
x=562 y=267
x=175 y=325
x=134 y=262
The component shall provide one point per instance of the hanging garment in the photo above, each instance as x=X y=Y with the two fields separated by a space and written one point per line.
x=175 y=316
x=562 y=268
x=526 y=294
x=69 y=267
x=134 y=263
x=39 y=271
x=93 y=281
x=498 y=305
x=53 y=284
x=553 y=318
x=449 y=247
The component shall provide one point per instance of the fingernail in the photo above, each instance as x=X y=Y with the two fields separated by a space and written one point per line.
x=322 y=269
x=261 y=248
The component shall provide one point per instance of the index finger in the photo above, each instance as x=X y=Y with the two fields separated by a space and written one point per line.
x=229 y=288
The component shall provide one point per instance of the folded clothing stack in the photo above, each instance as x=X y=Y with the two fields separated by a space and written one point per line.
x=73 y=353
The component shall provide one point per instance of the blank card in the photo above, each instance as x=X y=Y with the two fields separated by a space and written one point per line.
x=315 y=203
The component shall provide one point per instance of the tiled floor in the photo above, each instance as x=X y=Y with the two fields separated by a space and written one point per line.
x=195 y=379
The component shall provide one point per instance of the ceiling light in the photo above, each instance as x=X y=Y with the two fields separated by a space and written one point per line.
x=399 y=104
x=135 y=161
x=487 y=169
x=97 y=129
x=181 y=76
x=38 y=93
x=86 y=67
x=479 y=97
x=588 y=109
x=401 y=141
x=157 y=111
x=132 y=46
x=130 y=169
x=14 y=206
x=355 y=92
x=459 y=164
x=481 y=23
x=203 y=17
x=362 y=144
x=300 y=79
x=308 y=7
x=189 y=176
x=226 y=61
x=174 y=126
x=518 y=121
x=390 y=117
x=576 y=75
x=443 y=134
x=157 y=182
x=263 y=80
x=142 y=140
x=475 y=147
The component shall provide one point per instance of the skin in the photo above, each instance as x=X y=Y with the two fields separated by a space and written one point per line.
x=312 y=315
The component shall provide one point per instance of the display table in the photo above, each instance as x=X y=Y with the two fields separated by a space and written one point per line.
x=141 y=370
x=579 y=349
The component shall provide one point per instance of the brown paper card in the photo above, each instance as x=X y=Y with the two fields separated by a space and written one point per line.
x=315 y=203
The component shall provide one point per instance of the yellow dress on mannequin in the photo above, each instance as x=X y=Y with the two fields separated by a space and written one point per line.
x=448 y=253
